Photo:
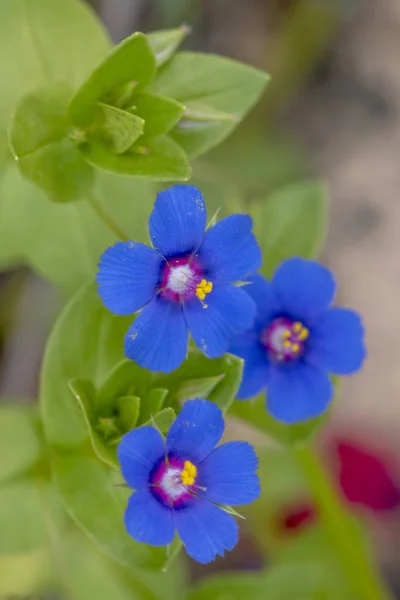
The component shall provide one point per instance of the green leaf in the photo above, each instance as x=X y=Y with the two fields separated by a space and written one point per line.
x=23 y=521
x=84 y=392
x=115 y=128
x=128 y=409
x=229 y=585
x=72 y=236
x=291 y=222
x=254 y=411
x=131 y=62
x=160 y=114
x=46 y=41
x=126 y=377
x=160 y=159
x=165 y=42
x=228 y=369
x=87 y=490
x=196 y=388
x=21 y=445
x=39 y=144
x=152 y=403
x=215 y=83
x=162 y=420
x=91 y=355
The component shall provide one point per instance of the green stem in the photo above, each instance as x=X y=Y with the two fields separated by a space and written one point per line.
x=106 y=218
x=341 y=529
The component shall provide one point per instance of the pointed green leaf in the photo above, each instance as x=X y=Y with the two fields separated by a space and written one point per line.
x=165 y=42
x=172 y=552
x=152 y=403
x=211 y=82
x=160 y=159
x=228 y=369
x=162 y=420
x=160 y=114
x=84 y=392
x=131 y=62
x=43 y=152
x=124 y=379
x=196 y=388
x=115 y=128
x=292 y=221
x=128 y=412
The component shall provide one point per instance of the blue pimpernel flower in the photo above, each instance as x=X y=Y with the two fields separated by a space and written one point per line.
x=182 y=482
x=184 y=282
x=297 y=340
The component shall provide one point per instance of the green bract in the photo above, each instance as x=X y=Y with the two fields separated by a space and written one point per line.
x=115 y=121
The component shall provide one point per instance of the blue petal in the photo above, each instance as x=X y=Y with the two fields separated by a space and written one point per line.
x=128 y=276
x=229 y=311
x=158 y=338
x=196 y=430
x=138 y=453
x=178 y=220
x=298 y=392
x=304 y=288
x=228 y=474
x=148 y=521
x=256 y=363
x=230 y=251
x=262 y=292
x=206 y=530
x=336 y=342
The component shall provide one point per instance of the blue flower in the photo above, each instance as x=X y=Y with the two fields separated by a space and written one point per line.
x=180 y=482
x=184 y=282
x=297 y=340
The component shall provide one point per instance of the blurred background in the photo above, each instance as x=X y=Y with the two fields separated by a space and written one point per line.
x=331 y=111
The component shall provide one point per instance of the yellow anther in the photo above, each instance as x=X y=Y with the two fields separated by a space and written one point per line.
x=203 y=288
x=295 y=347
x=286 y=334
x=189 y=473
x=297 y=327
x=303 y=335
x=287 y=344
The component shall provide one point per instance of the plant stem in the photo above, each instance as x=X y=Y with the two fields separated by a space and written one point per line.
x=341 y=529
x=106 y=218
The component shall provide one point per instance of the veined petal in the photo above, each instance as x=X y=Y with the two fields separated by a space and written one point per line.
x=304 y=288
x=128 y=276
x=229 y=311
x=178 y=220
x=196 y=430
x=148 y=521
x=256 y=364
x=206 y=530
x=158 y=338
x=138 y=453
x=336 y=342
x=230 y=251
x=297 y=392
x=228 y=474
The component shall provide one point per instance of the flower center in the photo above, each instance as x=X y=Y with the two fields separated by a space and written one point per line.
x=182 y=279
x=285 y=339
x=172 y=480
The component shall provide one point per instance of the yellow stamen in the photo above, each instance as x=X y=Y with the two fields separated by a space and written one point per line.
x=297 y=327
x=203 y=288
x=295 y=347
x=303 y=334
x=189 y=473
x=287 y=344
x=286 y=334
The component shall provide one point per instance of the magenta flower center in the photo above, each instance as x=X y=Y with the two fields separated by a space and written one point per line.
x=182 y=279
x=173 y=481
x=285 y=339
